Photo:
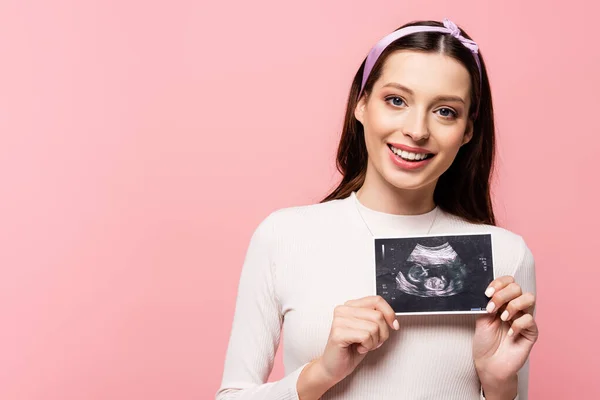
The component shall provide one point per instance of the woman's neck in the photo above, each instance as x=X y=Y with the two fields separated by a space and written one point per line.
x=383 y=197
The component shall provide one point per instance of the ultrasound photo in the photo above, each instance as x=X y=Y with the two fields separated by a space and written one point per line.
x=435 y=274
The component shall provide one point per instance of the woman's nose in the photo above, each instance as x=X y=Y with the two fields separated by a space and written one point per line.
x=415 y=125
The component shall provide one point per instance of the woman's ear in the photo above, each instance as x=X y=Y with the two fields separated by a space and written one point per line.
x=468 y=132
x=359 y=110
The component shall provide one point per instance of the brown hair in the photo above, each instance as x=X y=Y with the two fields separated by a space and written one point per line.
x=462 y=190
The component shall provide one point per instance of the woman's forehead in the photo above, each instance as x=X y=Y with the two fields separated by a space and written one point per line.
x=427 y=72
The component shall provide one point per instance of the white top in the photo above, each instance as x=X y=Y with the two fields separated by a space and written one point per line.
x=303 y=261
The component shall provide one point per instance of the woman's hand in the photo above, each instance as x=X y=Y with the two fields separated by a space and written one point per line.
x=504 y=337
x=359 y=326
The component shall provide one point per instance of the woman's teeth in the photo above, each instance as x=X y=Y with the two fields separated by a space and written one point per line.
x=408 y=156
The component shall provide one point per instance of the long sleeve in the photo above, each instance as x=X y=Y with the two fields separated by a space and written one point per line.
x=525 y=276
x=256 y=328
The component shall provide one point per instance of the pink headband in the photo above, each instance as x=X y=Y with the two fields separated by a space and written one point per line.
x=449 y=27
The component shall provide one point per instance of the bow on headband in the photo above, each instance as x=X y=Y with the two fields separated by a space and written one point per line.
x=454 y=31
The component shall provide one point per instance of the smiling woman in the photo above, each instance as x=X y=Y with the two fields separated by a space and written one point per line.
x=433 y=125
x=416 y=155
x=416 y=83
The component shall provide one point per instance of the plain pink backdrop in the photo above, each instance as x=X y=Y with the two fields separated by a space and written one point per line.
x=142 y=142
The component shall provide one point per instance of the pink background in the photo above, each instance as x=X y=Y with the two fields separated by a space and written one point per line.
x=142 y=142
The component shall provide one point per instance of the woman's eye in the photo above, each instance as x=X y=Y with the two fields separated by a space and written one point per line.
x=447 y=113
x=396 y=101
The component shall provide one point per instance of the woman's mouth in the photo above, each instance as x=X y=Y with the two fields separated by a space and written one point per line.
x=409 y=160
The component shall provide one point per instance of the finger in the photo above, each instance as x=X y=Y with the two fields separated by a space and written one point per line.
x=373 y=341
x=524 y=325
x=358 y=331
x=498 y=284
x=377 y=303
x=503 y=296
x=374 y=316
x=524 y=303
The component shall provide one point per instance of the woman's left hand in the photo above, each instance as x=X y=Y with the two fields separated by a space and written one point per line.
x=504 y=336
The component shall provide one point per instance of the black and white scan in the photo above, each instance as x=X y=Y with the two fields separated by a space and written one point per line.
x=434 y=273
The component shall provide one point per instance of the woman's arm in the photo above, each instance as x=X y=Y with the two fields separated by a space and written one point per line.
x=256 y=329
x=526 y=278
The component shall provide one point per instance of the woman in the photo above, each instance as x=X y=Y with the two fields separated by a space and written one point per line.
x=416 y=156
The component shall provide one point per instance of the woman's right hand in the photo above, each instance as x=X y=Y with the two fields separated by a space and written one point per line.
x=359 y=326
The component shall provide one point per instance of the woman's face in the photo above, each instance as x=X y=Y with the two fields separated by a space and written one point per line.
x=416 y=118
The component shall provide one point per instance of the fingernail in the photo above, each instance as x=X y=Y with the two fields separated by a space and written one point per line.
x=511 y=332
x=504 y=316
x=490 y=307
x=490 y=291
x=362 y=350
x=380 y=344
x=396 y=325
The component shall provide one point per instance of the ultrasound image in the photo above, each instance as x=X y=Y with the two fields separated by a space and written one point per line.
x=434 y=273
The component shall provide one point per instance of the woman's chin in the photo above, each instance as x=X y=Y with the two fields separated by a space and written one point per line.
x=410 y=181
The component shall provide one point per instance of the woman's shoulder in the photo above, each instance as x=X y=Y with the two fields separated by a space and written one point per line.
x=307 y=215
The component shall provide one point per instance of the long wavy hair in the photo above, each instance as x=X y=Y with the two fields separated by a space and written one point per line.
x=463 y=189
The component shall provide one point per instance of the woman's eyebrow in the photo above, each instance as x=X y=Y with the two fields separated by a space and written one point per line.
x=398 y=86
x=437 y=98
x=449 y=98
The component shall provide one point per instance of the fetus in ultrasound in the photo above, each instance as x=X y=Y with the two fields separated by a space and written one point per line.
x=432 y=272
